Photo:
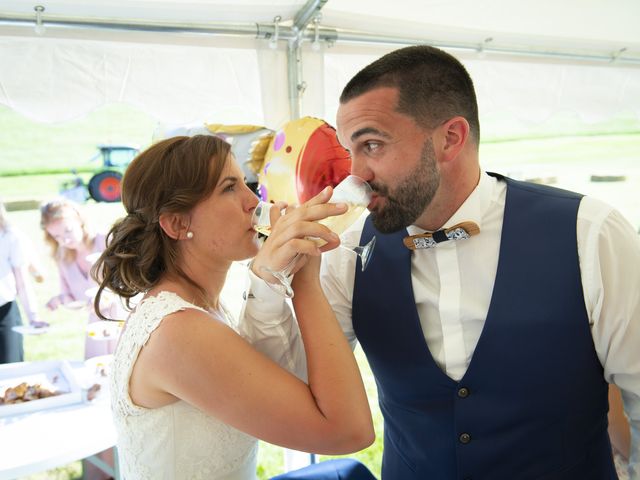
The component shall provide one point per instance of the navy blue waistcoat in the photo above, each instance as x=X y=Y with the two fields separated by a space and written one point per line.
x=533 y=402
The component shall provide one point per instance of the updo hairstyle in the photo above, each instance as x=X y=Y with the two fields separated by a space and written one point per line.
x=170 y=177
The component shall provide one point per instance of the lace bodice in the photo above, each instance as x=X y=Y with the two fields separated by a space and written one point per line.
x=176 y=441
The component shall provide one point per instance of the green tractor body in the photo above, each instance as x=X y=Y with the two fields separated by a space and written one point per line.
x=104 y=184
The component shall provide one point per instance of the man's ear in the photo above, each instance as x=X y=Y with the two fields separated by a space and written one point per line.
x=174 y=225
x=455 y=135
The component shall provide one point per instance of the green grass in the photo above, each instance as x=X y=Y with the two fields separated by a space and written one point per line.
x=28 y=146
x=34 y=186
x=502 y=127
x=610 y=151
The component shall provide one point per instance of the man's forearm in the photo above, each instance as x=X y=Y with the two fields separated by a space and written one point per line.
x=267 y=322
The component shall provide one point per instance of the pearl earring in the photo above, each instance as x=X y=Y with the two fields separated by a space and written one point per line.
x=189 y=235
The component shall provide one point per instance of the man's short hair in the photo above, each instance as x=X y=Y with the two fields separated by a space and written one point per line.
x=433 y=86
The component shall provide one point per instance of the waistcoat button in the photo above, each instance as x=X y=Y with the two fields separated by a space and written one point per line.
x=463 y=392
x=464 y=438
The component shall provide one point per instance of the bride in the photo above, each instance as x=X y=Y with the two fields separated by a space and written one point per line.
x=190 y=395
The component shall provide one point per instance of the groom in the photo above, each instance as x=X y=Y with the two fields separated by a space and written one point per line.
x=492 y=353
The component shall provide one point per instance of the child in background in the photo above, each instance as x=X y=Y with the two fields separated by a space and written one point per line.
x=14 y=283
x=74 y=247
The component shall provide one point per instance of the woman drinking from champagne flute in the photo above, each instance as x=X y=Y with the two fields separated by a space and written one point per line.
x=190 y=395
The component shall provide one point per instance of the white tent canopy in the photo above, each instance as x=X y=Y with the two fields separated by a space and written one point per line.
x=230 y=62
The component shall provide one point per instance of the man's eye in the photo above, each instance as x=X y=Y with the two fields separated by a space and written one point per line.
x=371 y=147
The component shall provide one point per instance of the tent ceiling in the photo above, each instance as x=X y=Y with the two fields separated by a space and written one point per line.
x=544 y=23
x=605 y=29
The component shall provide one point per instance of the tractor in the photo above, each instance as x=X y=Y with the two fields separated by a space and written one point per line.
x=104 y=184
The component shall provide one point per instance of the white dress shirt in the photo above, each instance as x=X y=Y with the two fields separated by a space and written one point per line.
x=609 y=253
x=13 y=260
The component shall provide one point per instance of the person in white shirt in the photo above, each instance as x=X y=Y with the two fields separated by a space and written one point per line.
x=15 y=284
x=493 y=353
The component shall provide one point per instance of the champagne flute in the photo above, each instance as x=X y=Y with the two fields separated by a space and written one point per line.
x=353 y=191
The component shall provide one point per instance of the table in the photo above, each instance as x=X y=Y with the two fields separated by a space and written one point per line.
x=45 y=439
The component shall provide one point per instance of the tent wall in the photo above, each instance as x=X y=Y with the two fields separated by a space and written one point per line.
x=197 y=76
x=518 y=95
x=60 y=80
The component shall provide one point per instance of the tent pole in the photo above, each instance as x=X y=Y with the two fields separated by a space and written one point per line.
x=306 y=14
x=296 y=84
x=331 y=35
x=294 y=75
x=347 y=36
x=213 y=28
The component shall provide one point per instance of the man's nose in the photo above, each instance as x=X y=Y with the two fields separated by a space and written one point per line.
x=360 y=168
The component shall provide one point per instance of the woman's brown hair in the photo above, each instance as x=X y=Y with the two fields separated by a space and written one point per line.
x=171 y=176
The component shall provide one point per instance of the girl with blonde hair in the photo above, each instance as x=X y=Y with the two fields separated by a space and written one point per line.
x=74 y=246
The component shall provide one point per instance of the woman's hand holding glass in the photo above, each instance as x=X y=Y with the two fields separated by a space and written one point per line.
x=293 y=234
x=353 y=193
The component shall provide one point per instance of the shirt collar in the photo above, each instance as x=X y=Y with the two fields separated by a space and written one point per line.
x=472 y=209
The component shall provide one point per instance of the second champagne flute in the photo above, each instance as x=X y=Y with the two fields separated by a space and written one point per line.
x=353 y=191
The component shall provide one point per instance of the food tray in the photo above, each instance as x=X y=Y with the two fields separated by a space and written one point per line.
x=53 y=374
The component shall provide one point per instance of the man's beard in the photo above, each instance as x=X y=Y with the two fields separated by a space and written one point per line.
x=408 y=200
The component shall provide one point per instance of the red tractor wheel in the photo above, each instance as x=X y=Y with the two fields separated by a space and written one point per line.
x=105 y=186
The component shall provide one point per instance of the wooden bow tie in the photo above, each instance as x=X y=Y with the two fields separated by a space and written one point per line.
x=427 y=240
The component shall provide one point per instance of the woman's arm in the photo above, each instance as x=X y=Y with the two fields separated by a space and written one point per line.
x=205 y=363
x=65 y=295
x=27 y=296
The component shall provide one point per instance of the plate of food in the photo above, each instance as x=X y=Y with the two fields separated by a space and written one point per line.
x=27 y=387
x=104 y=330
x=94 y=377
x=99 y=366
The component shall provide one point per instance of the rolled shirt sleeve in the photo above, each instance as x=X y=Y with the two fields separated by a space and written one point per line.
x=266 y=321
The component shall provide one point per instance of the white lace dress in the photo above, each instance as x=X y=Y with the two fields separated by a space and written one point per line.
x=176 y=441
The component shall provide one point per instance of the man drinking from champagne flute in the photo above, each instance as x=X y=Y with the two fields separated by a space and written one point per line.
x=493 y=313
